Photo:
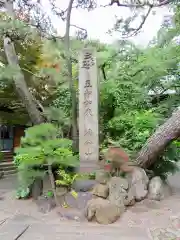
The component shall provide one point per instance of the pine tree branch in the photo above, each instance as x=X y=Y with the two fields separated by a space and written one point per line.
x=82 y=29
x=138 y=4
x=144 y=18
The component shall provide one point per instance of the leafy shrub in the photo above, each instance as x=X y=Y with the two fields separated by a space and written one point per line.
x=132 y=129
x=65 y=179
x=40 y=147
x=167 y=163
x=22 y=193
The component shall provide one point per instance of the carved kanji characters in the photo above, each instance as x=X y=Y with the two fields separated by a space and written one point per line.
x=89 y=152
x=88 y=112
x=87 y=94
x=87 y=84
x=88 y=61
x=87 y=103
x=88 y=142
x=88 y=132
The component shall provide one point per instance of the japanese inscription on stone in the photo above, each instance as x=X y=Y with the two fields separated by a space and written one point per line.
x=88 y=111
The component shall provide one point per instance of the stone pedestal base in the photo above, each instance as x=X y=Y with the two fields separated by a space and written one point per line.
x=88 y=167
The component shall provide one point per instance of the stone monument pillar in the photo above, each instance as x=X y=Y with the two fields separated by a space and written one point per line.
x=88 y=111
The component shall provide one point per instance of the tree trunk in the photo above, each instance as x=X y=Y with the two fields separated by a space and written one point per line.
x=162 y=137
x=19 y=81
x=71 y=80
x=52 y=181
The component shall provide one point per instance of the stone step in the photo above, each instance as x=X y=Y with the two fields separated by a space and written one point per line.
x=7 y=167
x=7 y=157
x=6 y=164
x=7 y=160
x=10 y=172
x=7 y=153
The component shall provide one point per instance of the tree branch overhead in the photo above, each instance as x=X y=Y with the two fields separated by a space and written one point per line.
x=139 y=4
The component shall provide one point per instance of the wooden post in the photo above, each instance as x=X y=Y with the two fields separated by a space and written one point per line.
x=88 y=111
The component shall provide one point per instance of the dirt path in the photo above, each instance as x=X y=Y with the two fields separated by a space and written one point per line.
x=146 y=220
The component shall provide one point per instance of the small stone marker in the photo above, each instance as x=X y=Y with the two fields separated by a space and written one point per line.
x=37 y=188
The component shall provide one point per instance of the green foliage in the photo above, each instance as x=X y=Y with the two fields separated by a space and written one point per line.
x=168 y=162
x=29 y=49
x=65 y=179
x=139 y=91
x=22 y=193
x=131 y=130
x=41 y=147
x=133 y=98
x=49 y=194
x=92 y=176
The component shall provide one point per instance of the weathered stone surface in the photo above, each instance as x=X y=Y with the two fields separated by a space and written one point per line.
x=102 y=176
x=61 y=191
x=45 y=204
x=71 y=214
x=138 y=182
x=164 y=234
x=80 y=202
x=101 y=190
x=140 y=191
x=108 y=214
x=129 y=199
x=36 y=188
x=138 y=175
x=12 y=230
x=83 y=185
x=103 y=211
x=118 y=182
x=158 y=189
x=118 y=191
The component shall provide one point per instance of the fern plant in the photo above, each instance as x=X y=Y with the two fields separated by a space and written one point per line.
x=41 y=147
